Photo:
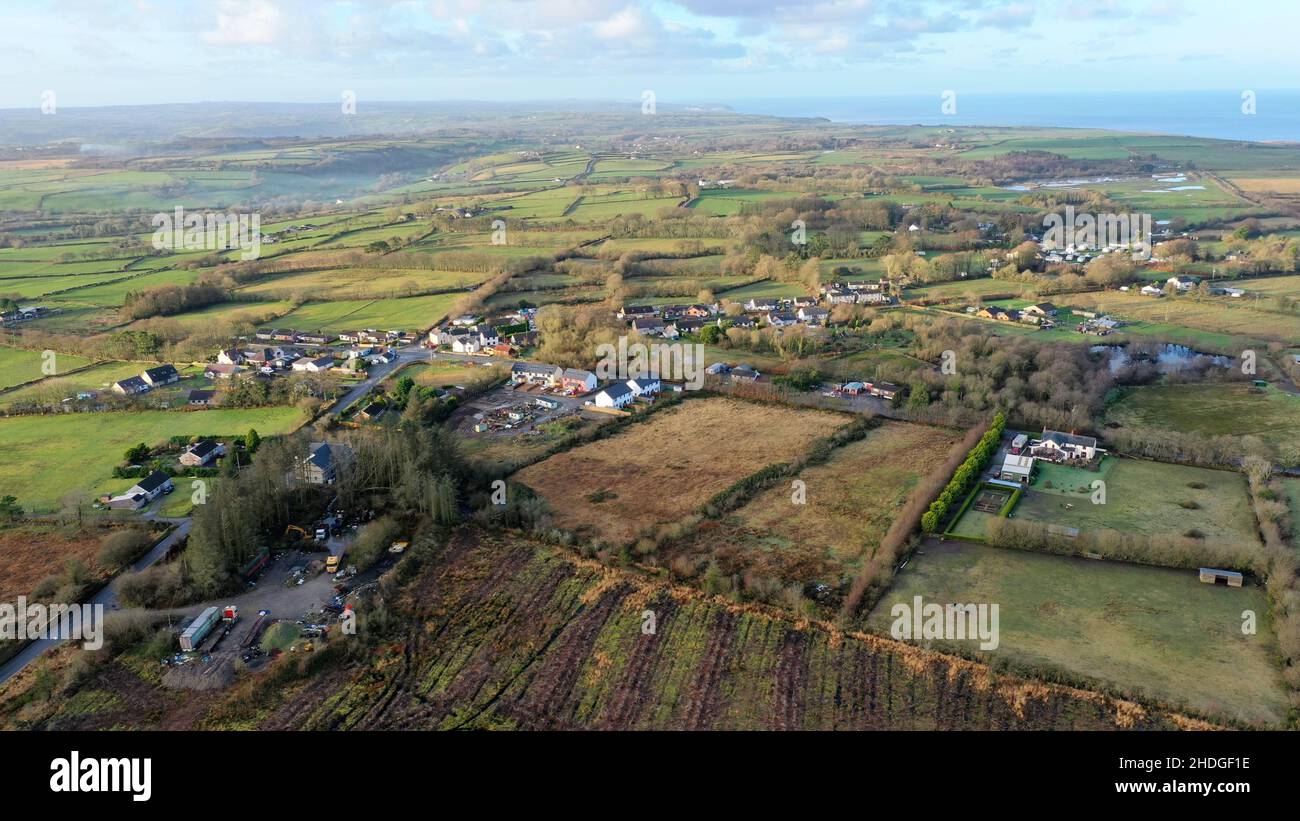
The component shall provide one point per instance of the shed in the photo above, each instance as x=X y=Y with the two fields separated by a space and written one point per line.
x=1211 y=575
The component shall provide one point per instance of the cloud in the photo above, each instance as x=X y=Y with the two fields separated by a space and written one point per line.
x=247 y=23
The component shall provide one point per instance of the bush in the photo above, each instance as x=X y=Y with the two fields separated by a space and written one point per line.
x=122 y=548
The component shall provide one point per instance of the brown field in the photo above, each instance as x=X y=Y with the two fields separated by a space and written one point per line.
x=29 y=554
x=663 y=469
x=850 y=503
x=1264 y=185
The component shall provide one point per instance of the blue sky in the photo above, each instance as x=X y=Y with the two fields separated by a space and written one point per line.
x=154 y=51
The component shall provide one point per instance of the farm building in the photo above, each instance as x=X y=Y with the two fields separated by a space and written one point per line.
x=1017 y=468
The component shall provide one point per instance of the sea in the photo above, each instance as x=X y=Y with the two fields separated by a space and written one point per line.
x=1215 y=114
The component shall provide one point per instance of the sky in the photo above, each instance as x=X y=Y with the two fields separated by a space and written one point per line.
x=127 y=52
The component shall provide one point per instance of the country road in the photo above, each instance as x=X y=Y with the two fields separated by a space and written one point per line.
x=107 y=597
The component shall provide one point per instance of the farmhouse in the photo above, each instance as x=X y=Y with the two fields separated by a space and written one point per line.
x=535 y=374
x=202 y=453
x=614 y=396
x=161 y=375
x=1059 y=446
x=1041 y=309
x=323 y=462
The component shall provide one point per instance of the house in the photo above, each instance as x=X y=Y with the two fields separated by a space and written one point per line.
x=653 y=326
x=230 y=357
x=318 y=365
x=761 y=305
x=467 y=344
x=637 y=312
x=615 y=395
x=323 y=462
x=202 y=453
x=200 y=398
x=780 y=319
x=503 y=349
x=577 y=381
x=838 y=296
x=885 y=390
x=812 y=315
x=1060 y=446
x=647 y=385
x=1182 y=283
x=1151 y=290
x=699 y=311
x=144 y=491
x=316 y=338
x=219 y=371
x=535 y=374
x=465 y=320
x=852 y=388
x=130 y=386
x=1017 y=468
x=161 y=375
x=1041 y=309
x=372 y=411
x=873 y=298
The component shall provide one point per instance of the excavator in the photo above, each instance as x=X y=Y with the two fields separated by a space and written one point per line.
x=303 y=535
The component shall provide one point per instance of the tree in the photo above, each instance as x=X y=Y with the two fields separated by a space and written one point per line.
x=137 y=454
x=403 y=389
x=9 y=508
x=252 y=440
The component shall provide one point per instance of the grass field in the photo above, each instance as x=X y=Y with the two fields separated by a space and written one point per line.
x=1214 y=410
x=47 y=458
x=55 y=388
x=715 y=442
x=18 y=365
x=1142 y=630
x=850 y=502
x=411 y=313
x=1142 y=497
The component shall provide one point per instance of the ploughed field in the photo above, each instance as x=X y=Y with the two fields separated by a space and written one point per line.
x=666 y=467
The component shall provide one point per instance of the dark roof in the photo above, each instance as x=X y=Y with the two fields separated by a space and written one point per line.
x=132 y=382
x=324 y=454
x=161 y=372
x=203 y=447
x=153 y=481
x=201 y=396
x=617 y=390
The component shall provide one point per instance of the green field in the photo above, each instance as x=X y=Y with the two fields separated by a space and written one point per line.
x=411 y=313
x=1142 y=497
x=1214 y=410
x=47 y=458
x=18 y=366
x=1144 y=631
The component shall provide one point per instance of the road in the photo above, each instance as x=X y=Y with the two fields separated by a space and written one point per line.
x=107 y=597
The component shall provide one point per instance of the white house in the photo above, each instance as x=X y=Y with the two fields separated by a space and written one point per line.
x=644 y=385
x=1067 y=446
x=616 y=395
x=467 y=344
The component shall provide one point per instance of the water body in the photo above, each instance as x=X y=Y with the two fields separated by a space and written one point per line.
x=1167 y=359
x=1216 y=114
